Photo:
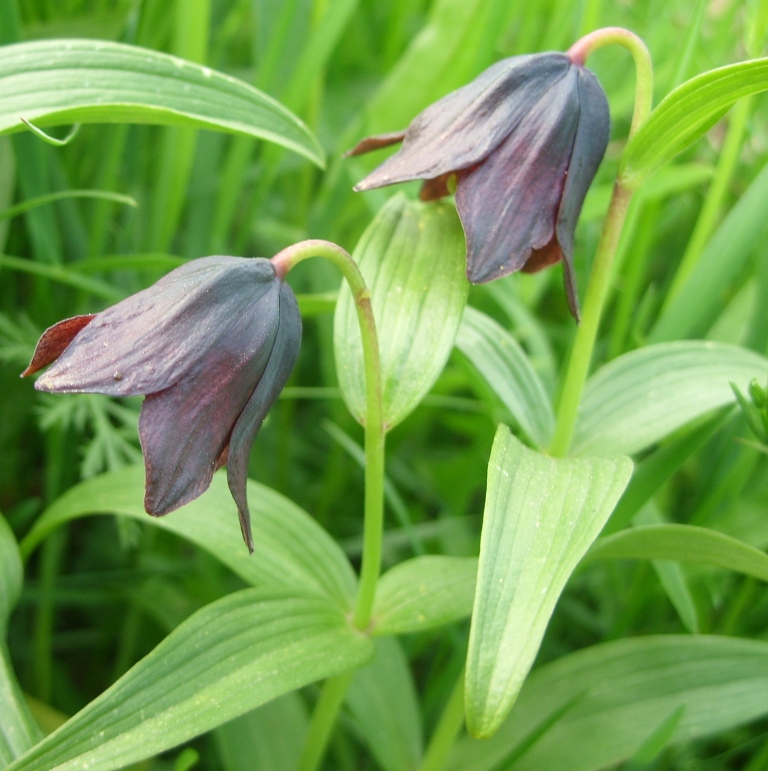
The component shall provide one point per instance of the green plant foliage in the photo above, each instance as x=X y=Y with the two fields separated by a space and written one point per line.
x=80 y=81
x=18 y=730
x=291 y=549
x=505 y=367
x=688 y=112
x=384 y=707
x=412 y=258
x=268 y=737
x=644 y=396
x=228 y=658
x=591 y=620
x=686 y=543
x=424 y=592
x=595 y=708
x=541 y=515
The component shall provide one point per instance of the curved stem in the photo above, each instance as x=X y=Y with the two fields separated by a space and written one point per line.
x=335 y=688
x=374 y=425
x=582 y=48
x=602 y=267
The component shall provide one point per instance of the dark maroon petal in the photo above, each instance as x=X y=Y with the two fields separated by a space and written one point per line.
x=54 y=341
x=375 y=143
x=278 y=370
x=592 y=135
x=151 y=340
x=508 y=205
x=461 y=129
x=185 y=429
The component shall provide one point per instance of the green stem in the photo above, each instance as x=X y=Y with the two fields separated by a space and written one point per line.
x=582 y=48
x=335 y=688
x=602 y=267
x=374 y=424
x=446 y=730
x=323 y=719
x=581 y=355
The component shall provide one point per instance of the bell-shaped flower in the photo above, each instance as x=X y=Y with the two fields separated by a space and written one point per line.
x=210 y=345
x=524 y=141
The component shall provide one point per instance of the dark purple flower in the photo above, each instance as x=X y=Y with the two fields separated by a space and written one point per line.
x=210 y=345
x=524 y=140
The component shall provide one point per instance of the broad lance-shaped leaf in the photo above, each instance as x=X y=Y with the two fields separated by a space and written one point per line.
x=541 y=515
x=643 y=396
x=50 y=82
x=594 y=709
x=686 y=543
x=225 y=660
x=505 y=367
x=687 y=113
x=424 y=592
x=18 y=730
x=412 y=258
x=291 y=549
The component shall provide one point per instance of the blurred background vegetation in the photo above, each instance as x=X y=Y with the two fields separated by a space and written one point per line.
x=102 y=592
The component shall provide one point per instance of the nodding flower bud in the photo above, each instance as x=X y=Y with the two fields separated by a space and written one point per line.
x=210 y=345
x=523 y=142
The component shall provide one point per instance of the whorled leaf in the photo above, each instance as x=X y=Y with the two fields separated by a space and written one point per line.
x=424 y=592
x=225 y=660
x=541 y=515
x=643 y=396
x=412 y=258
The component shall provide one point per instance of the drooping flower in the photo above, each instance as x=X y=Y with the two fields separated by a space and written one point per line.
x=210 y=345
x=524 y=141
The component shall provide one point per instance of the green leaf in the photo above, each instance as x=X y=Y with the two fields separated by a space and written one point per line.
x=268 y=738
x=643 y=396
x=385 y=708
x=687 y=113
x=701 y=298
x=424 y=592
x=292 y=550
x=671 y=575
x=618 y=694
x=226 y=659
x=11 y=574
x=502 y=362
x=50 y=82
x=686 y=543
x=541 y=515
x=18 y=729
x=412 y=258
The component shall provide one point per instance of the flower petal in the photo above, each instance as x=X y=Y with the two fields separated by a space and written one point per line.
x=54 y=342
x=185 y=429
x=284 y=354
x=465 y=126
x=151 y=340
x=369 y=144
x=592 y=135
x=509 y=203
